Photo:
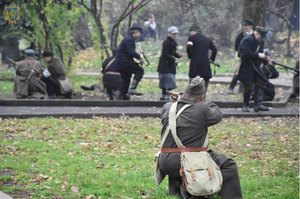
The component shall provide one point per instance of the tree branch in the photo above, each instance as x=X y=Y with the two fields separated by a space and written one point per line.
x=84 y=5
x=134 y=9
x=279 y=15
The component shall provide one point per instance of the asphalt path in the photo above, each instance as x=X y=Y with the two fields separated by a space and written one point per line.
x=85 y=109
x=90 y=112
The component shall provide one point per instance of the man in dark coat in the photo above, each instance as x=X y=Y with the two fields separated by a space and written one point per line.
x=55 y=71
x=28 y=82
x=198 y=47
x=127 y=66
x=192 y=129
x=167 y=63
x=251 y=54
x=247 y=30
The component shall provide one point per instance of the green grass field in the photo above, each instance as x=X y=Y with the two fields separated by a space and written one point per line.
x=113 y=158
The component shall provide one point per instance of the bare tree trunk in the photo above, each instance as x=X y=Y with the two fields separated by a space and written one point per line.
x=82 y=34
x=103 y=43
x=10 y=49
x=256 y=11
x=96 y=13
x=130 y=21
x=285 y=19
x=129 y=10
x=40 y=10
x=114 y=36
x=61 y=54
x=290 y=28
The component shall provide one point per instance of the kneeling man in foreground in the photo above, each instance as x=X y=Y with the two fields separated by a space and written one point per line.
x=191 y=127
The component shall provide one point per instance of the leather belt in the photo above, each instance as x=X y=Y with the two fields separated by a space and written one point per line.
x=112 y=73
x=178 y=150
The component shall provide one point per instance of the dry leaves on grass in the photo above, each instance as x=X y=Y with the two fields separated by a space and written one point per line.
x=74 y=189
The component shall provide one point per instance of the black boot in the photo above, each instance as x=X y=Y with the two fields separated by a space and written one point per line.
x=245 y=107
x=164 y=95
x=232 y=84
x=122 y=96
x=109 y=93
x=132 y=90
x=258 y=98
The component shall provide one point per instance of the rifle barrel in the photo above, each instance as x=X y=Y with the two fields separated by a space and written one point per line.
x=284 y=66
x=12 y=61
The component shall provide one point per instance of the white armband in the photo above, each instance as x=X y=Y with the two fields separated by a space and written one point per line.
x=189 y=43
x=46 y=73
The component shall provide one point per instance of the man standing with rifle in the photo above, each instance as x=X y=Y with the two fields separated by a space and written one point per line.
x=251 y=54
x=127 y=66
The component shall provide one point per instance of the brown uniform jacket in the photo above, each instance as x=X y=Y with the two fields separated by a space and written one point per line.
x=27 y=82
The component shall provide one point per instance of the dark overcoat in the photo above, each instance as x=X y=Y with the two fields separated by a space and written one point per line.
x=192 y=127
x=198 y=54
x=248 y=52
x=238 y=40
x=126 y=53
x=167 y=62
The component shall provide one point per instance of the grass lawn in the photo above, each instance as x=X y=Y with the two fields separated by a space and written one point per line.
x=113 y=158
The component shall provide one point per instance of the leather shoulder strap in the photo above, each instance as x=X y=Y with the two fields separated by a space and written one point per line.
x=31 y=65
x=172 y=123
x=109 y=64
x=168 y=128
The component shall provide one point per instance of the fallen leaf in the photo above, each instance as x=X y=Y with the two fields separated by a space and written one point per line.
x=74 y=189
x=90 y=196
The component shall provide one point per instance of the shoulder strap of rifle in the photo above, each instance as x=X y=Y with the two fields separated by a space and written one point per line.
x=257 y=48
x=168 y=127
x=108 y=65
x=31 y=65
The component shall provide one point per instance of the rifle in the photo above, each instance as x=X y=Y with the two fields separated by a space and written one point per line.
x=12 y=61
x=284 y=66
x=140 y=51
x=144 y=57
x=174 y=95
x=215 y=65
